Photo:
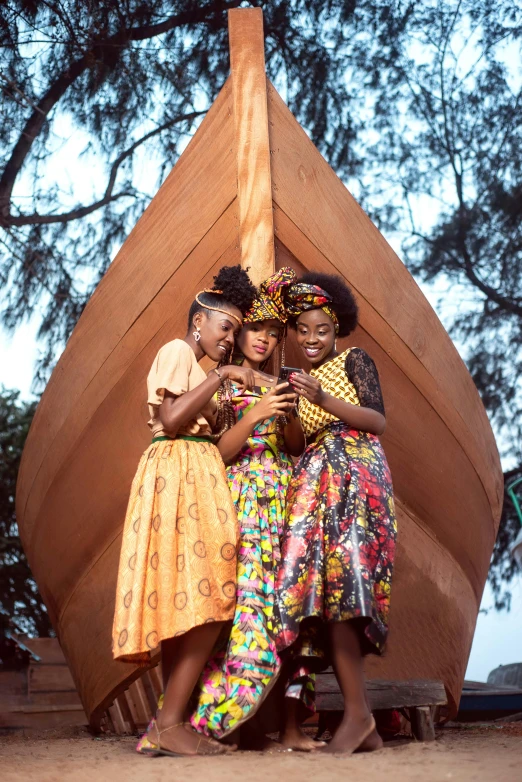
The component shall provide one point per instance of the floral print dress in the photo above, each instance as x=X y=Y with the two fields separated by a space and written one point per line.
x=338 y=546
x=237 y=679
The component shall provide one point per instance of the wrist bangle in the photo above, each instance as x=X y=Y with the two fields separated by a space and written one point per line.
x=218 y=373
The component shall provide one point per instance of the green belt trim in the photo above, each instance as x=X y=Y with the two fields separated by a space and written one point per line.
x=182 y=437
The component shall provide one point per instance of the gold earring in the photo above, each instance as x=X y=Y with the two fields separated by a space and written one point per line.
x=196 y=334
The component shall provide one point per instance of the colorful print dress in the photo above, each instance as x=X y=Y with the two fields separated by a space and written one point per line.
x=338 y=546
x=236 y=680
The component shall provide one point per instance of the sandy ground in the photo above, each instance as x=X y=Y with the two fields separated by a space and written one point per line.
x=486 y=753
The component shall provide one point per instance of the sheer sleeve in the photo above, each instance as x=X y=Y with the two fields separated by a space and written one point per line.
x=362 y=372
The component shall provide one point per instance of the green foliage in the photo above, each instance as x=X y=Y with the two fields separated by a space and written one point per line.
x=21 y=607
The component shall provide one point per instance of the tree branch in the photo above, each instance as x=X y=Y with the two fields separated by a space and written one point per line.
x=108 y=197
x=97 y=52
x=464 y=261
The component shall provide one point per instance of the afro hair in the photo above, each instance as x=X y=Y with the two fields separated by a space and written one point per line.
x=343 y=301
x=238 y=291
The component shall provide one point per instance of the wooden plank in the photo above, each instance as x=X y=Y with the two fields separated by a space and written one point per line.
x=13 y=684
x=382 y=694
x=254 y=186
x=118 y=723
x=126 y=712
x=149 y=687
x=139 y=703
x=157 y=684
x=50 y=678
x=48 y=650
x=59 y=698
x=422 y=723
x=37 y=721
x=48 y=708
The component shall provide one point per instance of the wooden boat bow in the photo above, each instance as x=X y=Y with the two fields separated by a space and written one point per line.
x=252 y=188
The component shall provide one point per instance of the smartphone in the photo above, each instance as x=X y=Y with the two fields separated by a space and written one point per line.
x=284 y=377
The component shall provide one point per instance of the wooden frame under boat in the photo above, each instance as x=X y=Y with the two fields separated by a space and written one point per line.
x=252 y=188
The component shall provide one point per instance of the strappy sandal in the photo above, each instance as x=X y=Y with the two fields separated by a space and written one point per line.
x=157 y=749
x=144 y=745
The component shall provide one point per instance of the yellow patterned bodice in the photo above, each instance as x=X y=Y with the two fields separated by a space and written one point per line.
x=334 y=380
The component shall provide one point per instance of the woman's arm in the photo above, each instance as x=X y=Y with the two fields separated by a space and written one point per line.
x=271 y=404
x=232 y=441
x=364 y=418
x=176 y=411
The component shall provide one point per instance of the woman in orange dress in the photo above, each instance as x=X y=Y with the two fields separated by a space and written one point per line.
x=177 y=574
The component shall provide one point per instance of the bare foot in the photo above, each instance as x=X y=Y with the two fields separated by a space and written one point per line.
x=371 y=743
x=350 y=734
x=181 y=739
x=299 y=741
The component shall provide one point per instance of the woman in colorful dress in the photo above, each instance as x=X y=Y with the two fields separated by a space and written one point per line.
x=338 y=547
x=257 y=450
x=177 y=574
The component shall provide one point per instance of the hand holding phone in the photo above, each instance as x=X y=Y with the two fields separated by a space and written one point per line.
x=284 y=376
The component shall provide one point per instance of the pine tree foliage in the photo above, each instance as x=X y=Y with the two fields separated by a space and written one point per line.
x=21 y=607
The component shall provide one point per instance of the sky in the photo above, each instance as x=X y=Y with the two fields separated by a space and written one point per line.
x=498 y=636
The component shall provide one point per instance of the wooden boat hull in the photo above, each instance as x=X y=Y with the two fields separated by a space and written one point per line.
x=89 y=429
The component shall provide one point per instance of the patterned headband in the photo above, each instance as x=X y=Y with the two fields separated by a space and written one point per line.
x=269 y=303
x=216 y=309
x=303 y=296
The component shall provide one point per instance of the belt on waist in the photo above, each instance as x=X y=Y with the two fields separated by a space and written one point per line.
x=182 y=437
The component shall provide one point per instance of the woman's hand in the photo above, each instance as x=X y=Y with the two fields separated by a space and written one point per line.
x=309 y=387
x=274 y=403
x=245 y=378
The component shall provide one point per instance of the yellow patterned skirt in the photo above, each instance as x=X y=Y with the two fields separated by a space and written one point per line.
x=179 y=548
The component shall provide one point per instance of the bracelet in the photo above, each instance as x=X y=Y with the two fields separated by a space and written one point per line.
x=218 y=373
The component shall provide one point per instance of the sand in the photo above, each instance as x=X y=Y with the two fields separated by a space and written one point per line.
x=489 y=753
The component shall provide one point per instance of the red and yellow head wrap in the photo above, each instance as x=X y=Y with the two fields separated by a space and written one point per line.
x=303 y=296
x=269 y=303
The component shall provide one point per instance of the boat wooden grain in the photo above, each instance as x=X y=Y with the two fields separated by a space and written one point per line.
x=252 y=188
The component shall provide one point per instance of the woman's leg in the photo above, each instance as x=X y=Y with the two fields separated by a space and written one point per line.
x=185 y=657
x=357 y=729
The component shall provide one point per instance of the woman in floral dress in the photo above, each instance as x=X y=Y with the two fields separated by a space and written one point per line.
x=338 y=547
x=257 y=451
